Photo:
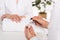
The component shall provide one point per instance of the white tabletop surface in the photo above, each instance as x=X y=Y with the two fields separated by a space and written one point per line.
x=11 y=35
x=16 y=35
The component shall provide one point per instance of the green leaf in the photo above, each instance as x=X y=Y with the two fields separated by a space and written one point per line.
x=38 y=7
x=48 y=2
x=44 y=0
x=38 y=2
x=33 y=4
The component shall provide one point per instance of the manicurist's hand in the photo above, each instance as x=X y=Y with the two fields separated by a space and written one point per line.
x=38 y=20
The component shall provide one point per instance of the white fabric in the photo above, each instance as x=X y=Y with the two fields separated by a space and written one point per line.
x=35 y=38
x=2 y=7
x=40 y=36
x=23 y=8
x=54 y=26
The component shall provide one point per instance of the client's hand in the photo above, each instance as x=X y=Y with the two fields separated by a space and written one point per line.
x=29 y=32
x=13 y=17
x=40 y=22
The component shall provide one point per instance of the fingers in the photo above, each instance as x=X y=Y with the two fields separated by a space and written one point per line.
x=27 y=33
x=38 y=24
x=26 y=29
x=4 y=16
x=16 y=18
x=22 y=16
x=31 y=30
x=36 y=18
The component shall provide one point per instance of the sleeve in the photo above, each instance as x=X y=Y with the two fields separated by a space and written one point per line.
x=10 y=6
x=2 y=8
x=35 y=38
x=29 y=10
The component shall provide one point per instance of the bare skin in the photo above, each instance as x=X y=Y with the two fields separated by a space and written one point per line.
x=29 y=32
x=13 y=17
x=40 y=22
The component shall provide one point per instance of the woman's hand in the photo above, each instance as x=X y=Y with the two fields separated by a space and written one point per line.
x=5 y=16
x=40 y=22
x=29 y=32
x=16 y=18
x=13 y=17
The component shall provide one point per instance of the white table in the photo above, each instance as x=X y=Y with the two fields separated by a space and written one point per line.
x=16 y=35
x=12 y=35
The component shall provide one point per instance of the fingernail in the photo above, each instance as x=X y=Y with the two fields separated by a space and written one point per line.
x=31 y=18
x=26 y=26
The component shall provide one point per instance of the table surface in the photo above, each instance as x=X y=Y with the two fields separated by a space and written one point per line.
x=14 y=35
x=11 y=35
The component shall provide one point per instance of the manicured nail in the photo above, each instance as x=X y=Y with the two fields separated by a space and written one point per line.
x=31 y=18
x=26 y=26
